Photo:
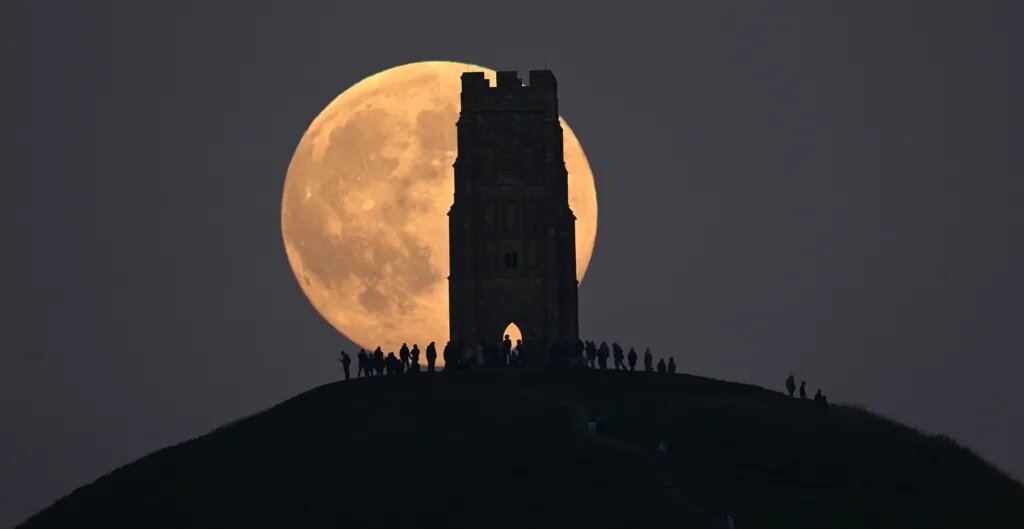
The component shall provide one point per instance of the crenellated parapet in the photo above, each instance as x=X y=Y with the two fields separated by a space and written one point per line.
x=510 y=93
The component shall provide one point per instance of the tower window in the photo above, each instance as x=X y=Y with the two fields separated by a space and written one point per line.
x=511 y=260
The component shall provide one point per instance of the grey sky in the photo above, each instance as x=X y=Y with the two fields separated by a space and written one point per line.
x=816 y=188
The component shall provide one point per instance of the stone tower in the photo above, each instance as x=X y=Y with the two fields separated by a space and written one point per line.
x=512 y=234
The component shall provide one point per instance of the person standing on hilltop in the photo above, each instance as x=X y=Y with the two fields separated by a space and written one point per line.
x=591 y=349
x=378 y=361
x=403 y=355
x=506 y=350
x=447 y=355
x=648 y=360
x=361 y=364
x=602 y=355
x=803 y=389
x=618 y=356
x=631 y=358
x=820 y=397
x=345 y=362
x=790 y=385
x=431 y=357
x=394 y=365
x=671 y=365
x=414 y=359
x=661 y=366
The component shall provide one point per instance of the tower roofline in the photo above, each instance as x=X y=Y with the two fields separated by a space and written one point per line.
x=508 y=79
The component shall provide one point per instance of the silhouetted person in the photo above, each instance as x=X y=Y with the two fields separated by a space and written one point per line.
x=602 y=355
x=631 y=358
x=790 y=385
x=447 y=354
x=648 y=361
x=361 y=364
x=591 y=349
x=394 y=365
x=661 y=366
x=618 y=356
x=803 y=389
x=378 y=361
x=431 y=357
x=671 y=365
x=580 y=356
x=506 y=350
x=403 y=355
x=517 y=359
x=414 y=358
x=345 y=362
x=820 y=397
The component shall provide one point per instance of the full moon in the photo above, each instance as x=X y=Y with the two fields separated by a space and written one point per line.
x=364 y=210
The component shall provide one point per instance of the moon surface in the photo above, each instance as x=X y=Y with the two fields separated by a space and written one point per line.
x=364 y=209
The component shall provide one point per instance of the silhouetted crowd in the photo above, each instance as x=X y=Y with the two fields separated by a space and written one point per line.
x=596 y=356
x=581 y=353
x=504 y=354
x=791 y=388
x=375 y=363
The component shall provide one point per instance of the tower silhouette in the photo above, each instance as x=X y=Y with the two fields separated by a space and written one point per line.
x=512 y=234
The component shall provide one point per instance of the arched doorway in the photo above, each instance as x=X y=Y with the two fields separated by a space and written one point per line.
x=514 y=335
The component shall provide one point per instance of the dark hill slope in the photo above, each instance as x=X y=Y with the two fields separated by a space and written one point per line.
x=509 y=449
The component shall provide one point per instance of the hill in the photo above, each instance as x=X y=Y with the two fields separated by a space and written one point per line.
x=495 y=449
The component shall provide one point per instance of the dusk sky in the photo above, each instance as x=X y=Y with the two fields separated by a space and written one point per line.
x=815 y=188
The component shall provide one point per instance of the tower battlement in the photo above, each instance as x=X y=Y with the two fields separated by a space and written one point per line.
x=509 y=91
x=539 y=79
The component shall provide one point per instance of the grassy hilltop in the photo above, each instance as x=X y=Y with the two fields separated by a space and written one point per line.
x=496 y=449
